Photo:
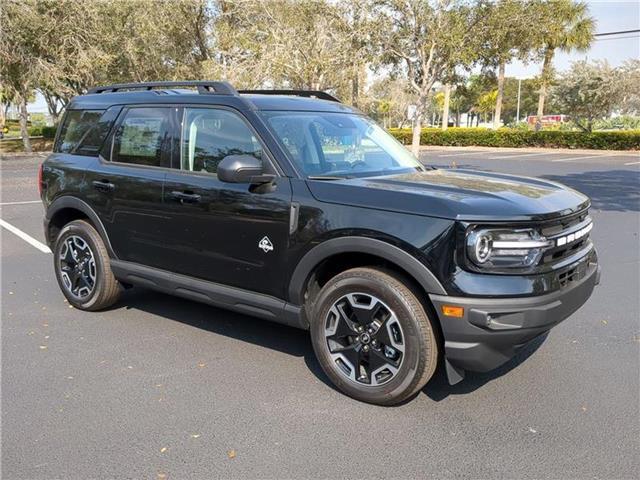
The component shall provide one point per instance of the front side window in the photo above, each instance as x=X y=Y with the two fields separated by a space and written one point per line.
x=81 y=132
x=144 y=137
x=209 y=135
x=339 y=144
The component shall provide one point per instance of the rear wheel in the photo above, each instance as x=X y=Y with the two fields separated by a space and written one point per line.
x=83 y=269
x=373 y=337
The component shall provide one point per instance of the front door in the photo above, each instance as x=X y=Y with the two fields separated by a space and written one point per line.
x=231 y=234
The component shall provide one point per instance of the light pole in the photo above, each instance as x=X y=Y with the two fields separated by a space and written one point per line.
x=518 y=107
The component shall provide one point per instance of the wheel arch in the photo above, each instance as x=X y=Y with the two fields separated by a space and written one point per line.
x=66 y=209
x=362 y=248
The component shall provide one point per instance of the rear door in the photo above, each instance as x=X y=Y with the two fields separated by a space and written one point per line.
x=233 y=234
x=125 y=185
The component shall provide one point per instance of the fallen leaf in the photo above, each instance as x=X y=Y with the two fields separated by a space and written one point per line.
x=584 y=409
x=43 y=347
x=129 y=367
x=195 y=435
x=69 y=378
x=31 y=332
x=45 y=324
x=162 y=476
x=10 y=293
x=532 y=430
x=46 y=336
x=70 y=306
x=201 y=365
x=163 y=449
x=231 y=454
x=604 y=322
x=158 y=385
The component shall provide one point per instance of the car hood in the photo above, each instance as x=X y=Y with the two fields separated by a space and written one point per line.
x=455 y=194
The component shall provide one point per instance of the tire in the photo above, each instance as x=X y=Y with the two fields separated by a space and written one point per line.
x=368 y=316
x=91 y=286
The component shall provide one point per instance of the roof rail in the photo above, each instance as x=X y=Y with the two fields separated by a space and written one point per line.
x=204 y=87
x=298 y=93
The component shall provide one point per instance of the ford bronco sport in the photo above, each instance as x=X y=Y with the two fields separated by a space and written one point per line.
x=290 y=206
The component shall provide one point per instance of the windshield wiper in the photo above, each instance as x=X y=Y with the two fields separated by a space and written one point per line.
x=326 y=177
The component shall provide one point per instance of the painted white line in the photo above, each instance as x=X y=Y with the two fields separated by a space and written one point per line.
x=578 y=158
x=632 y=163
x=466 y=153
x=27 y=238
x=522 y=155
x=21 y=203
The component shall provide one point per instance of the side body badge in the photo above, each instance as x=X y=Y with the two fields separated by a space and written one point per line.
x=265 y=245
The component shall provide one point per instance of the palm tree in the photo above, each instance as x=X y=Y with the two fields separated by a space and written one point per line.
x=566 y=25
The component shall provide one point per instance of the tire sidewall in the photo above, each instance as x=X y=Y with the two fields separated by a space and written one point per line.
x=411 y=368
x=84 y=232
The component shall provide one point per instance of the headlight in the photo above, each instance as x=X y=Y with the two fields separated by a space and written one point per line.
x=502 y=248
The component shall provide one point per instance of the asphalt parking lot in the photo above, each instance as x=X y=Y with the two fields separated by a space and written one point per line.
x=160 y=387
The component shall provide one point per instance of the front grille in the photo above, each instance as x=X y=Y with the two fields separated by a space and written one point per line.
x=565 y=244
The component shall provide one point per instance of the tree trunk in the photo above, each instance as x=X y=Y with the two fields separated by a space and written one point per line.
x=417 y=127
x=355 y=87
x=546 y=79
x=498 y=112
x=52 y=106
x=445 y=108
x=24 y=131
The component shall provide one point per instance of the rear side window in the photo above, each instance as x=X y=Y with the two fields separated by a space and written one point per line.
x=82 y=132
x=144 y=137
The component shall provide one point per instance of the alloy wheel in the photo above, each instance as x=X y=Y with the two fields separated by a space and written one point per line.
x=77 y=266
x=365 y=339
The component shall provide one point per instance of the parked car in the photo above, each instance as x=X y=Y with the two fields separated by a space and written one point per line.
x=293 y=207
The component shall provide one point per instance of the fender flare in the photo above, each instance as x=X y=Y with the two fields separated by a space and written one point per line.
x=371 y=246
x=75 y=203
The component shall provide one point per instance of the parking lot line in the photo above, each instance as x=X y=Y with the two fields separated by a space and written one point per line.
x=27 y=238
x=576 y=158
x=21 y=203
x=522 y=155
x=466 y=153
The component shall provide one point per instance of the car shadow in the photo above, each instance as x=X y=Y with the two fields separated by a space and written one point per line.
x=290 y=340
x=275 y=336
x=612 y=190
x=438 y=387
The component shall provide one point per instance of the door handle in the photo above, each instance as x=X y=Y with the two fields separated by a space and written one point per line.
x=185 y=197
x=103 y=185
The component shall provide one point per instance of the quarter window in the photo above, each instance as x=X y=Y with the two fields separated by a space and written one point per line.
x=82 y=133
x=209 y=135
x=144 y=137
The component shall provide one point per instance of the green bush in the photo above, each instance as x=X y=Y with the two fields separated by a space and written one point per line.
x=49 y=132
x=506 y=137
x=42 y=131
x=35 y=131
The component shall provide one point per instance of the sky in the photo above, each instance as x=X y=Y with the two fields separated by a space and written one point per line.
x=610 y=15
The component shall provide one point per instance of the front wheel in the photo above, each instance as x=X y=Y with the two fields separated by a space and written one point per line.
x=373 y=337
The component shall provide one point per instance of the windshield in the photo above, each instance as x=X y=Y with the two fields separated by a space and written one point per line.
x=324 y=144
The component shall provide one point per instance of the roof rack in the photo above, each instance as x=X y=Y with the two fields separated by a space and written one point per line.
x=298 y=93
x=204 y=87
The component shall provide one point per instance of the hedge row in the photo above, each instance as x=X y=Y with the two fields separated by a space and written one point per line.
x=46 y=132
x=505 y=137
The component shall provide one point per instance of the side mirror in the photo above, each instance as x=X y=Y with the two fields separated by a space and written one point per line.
x=242 y=169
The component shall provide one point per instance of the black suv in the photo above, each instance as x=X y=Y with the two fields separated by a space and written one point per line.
x=293 y=207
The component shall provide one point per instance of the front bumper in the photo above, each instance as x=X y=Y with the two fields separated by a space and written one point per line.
x=492 y=330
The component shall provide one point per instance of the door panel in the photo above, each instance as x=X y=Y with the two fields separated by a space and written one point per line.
x=127 y=188
x=217 y=237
